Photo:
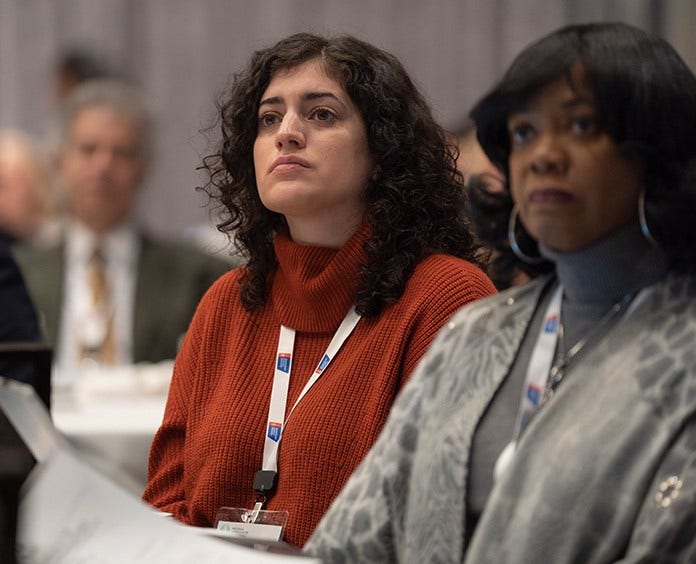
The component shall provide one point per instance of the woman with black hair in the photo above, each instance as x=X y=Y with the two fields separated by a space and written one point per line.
x=568 y=436
x=344 y=196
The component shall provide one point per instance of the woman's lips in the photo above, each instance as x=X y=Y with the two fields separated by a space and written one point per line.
x=550 y=195
x=288 y=163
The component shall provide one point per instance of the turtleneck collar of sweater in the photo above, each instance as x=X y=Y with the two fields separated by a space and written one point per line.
x=621 y=263
x=314 y=287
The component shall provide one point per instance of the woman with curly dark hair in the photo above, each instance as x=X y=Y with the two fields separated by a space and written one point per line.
x=344 y=198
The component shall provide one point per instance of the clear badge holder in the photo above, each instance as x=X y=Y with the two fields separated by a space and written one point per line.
x=252 y=524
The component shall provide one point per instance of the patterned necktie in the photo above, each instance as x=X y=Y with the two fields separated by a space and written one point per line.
x=103 y=348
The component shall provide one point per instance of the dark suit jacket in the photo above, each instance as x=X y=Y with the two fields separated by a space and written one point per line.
x=172 y=278
x=18 y=320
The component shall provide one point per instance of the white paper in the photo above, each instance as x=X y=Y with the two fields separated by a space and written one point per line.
x=70 y=514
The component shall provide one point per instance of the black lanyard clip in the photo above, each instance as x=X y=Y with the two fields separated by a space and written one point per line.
x=265 y=482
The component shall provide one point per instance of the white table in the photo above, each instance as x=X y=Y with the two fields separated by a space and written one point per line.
x=111 y=416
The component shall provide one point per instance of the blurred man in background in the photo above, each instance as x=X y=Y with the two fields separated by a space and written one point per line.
x=109 y=293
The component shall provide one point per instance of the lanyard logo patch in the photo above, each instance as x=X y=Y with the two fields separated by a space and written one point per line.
x=323 y=364
x=534 y=394
x=284 y=362
x=551 y=324
x=274 y=431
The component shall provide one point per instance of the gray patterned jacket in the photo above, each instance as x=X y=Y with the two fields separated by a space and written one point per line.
x=606 y=472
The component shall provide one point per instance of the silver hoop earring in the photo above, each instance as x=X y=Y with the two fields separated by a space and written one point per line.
x=644 y=229
x=512 y=223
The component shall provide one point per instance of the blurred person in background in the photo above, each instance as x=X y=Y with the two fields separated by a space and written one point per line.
x=473 y=163
x=28 y=205
x=343 y=192
x=486 y=206
x=19 y=322
x=74 y=67
x=109 y=293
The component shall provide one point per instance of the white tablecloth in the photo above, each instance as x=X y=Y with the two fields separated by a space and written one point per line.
x=111 y=416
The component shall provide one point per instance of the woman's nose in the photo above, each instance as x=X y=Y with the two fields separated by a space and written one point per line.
x=290 y=133
x=549 y=155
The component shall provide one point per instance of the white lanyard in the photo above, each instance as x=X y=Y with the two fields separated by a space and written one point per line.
x=537 y=376
x=540 y=364
x=281 y=380
x=539 y=370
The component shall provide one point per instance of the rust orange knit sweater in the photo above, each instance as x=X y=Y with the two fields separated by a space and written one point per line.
x=210 y=443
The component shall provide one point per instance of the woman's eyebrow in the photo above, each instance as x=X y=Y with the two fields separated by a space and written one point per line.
x=579 y=101
x=315 y=95
x=570 y=103
x=271 y=101
x=274 y=100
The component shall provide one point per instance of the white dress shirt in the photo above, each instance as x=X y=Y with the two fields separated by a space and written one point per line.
x=120 y=248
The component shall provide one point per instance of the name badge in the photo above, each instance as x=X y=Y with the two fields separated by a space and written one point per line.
x=252 y=524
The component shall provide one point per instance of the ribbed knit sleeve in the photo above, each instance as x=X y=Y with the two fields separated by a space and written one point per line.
x=447 y=283
x=165 y=488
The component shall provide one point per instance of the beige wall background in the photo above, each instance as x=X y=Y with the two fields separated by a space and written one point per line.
x=181 y=53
